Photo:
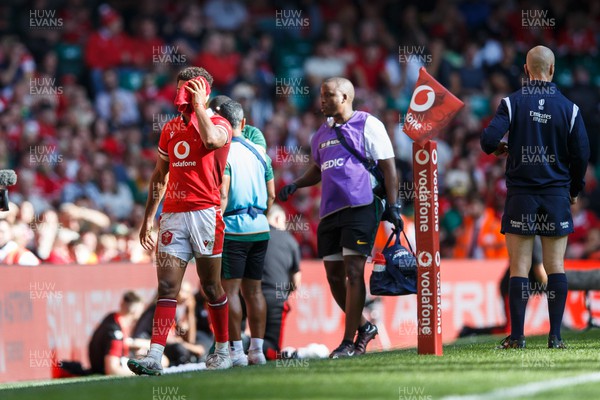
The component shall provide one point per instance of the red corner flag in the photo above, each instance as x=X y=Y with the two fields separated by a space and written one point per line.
x=432 y=106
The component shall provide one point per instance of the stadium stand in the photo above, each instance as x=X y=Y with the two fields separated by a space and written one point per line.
x=86 y=88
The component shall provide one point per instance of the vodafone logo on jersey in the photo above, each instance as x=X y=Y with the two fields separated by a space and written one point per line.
x=181 y=150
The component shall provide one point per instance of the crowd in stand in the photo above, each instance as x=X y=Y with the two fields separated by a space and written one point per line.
x=85 y=89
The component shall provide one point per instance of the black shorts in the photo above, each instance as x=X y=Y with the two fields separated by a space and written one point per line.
x=353 y=228
x=243 y=259
x=544 y=215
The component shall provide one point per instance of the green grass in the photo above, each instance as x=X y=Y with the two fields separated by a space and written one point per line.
x=469 y=366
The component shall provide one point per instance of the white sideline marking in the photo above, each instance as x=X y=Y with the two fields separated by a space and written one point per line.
x=530 y=388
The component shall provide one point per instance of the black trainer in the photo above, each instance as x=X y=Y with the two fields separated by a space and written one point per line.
x=346 y=349
x=556 y=343
x=365 y=335
x=509 y=343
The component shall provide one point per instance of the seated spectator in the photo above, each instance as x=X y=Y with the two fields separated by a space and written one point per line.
x=369 y=69
x=111 y=343
x=115 y=198
x=220 y=58
x=15 y=62
x=115 y=104
x=12 y=253
x=107 y=248
x=471 y=74
x=235 y=11
x=108 y=47
x=82 y=250
x=82 y=187
x=27 y=190
x=323 y=64
x=146 y=43
x=61 y=252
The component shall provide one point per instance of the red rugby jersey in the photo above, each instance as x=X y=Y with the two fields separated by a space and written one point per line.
x=195 y=172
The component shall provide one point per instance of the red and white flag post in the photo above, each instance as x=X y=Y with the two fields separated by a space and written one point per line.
x=431 y=108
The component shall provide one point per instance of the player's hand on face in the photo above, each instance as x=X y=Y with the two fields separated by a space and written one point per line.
x=146 y=239
x=198 y=91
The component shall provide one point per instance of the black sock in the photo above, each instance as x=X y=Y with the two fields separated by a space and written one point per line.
x=347 y=342
x=518 y=294
x=557 y=297
x=364 y=327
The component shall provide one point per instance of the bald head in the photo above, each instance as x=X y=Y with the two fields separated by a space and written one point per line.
x=337 y=95
x=343 y=85
x=540 y=64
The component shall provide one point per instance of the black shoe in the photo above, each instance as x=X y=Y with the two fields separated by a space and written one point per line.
x=344 y=350
x=509 y=343
x=364 y=337
x=556 y=343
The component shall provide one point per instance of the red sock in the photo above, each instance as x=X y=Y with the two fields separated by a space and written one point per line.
x=273 y=354
x=164 y=318
x=219 y=318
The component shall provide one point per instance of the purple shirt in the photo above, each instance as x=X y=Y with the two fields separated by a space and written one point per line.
x=345 y=181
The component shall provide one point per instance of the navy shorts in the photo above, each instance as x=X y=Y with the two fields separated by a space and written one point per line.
x=544 y=215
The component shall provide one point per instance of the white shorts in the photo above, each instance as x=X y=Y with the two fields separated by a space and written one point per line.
x=190 y=234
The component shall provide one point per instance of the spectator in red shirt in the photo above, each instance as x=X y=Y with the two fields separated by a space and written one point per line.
x=146 y=43
x=578 y=38
x=108 y=47
x=368 y=69
x=219 y=57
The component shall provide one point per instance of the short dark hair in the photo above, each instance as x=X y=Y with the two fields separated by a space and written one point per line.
x=233 y=112
x=131 y=297
x=189 y=73
x=218 y=101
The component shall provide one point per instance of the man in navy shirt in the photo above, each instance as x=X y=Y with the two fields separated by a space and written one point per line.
x=548 y=150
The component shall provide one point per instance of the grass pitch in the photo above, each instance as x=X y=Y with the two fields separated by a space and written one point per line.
x=469 y=367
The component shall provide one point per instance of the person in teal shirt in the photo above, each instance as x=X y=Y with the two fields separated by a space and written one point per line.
x=248 y=190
